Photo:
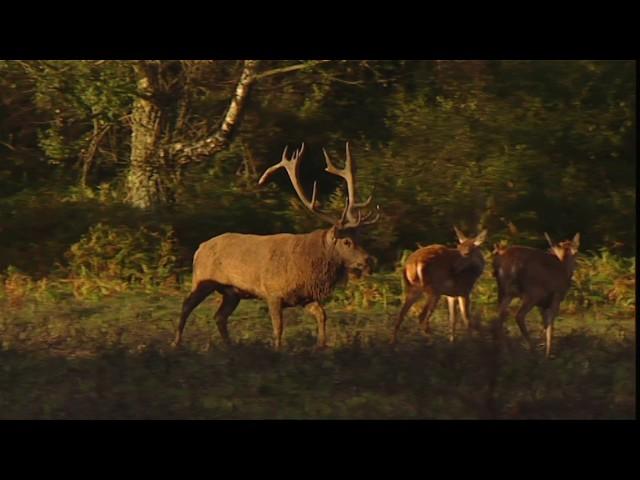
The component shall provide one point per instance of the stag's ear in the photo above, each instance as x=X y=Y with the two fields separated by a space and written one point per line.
x=575 y=243
x=332 y=234
x=459 y=234
x=480 y=238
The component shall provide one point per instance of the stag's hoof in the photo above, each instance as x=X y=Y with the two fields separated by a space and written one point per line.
x=175 y=345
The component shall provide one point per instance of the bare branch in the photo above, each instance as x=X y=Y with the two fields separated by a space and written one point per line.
x=290 y=68
x=213 y=144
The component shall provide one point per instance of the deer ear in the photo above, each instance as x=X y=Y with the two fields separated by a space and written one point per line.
x=546 y=235
x=459 y=234
x=480 y=238
x=576 y=242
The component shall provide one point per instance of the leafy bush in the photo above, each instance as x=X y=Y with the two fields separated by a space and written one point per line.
x=110 y=258
x=604 y=278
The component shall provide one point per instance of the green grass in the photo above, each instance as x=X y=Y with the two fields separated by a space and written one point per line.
x=109 y=358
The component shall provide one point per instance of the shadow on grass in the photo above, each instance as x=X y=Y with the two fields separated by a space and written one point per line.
x=590 y=379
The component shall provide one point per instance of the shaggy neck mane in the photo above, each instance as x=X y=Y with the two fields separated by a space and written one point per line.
x=324 y=269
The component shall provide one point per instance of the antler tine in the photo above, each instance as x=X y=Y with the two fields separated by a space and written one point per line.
x=366 y=221
x=350 y=166
x=297 y=154
x=292 y=167
x=348 y=174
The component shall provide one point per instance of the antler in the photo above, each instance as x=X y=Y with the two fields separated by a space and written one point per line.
x=349 y=219
x=292 y=166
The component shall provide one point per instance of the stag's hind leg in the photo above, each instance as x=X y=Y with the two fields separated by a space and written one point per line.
x=411 y=297
x=194 y=299
x=230 y=301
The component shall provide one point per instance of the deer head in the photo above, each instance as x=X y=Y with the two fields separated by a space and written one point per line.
x=565 y=251
x=343 y=229
x=467 y=245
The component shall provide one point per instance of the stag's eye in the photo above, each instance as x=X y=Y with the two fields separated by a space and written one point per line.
x=347 y=242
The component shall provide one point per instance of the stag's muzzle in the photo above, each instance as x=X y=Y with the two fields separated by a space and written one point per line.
x=368 y=266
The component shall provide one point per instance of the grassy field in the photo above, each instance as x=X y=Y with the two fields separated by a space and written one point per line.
x=63 y=357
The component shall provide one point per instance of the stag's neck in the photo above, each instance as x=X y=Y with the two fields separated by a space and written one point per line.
x=327 y=269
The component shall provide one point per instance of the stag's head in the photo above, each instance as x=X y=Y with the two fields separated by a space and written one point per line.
x=341 y=238
x=566 y=250
x=466 y=246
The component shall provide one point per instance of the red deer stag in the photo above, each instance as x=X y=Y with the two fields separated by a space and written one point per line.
x=437 y=270
x=541 y=279
x=284 y=270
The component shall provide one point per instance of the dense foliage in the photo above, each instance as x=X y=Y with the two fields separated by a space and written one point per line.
x=519 y=147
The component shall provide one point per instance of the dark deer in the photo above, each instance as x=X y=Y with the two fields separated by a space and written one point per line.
x=540 y=278
x=438 y=270
x=284 y=270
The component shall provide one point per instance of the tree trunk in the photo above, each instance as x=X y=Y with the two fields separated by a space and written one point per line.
x=155 y=158
x=149 y=180
x=155 y=161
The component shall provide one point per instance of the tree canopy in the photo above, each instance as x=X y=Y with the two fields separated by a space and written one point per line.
x=517 y=147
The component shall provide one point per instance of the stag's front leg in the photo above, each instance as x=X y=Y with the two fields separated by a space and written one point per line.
x=321 y=317
x=275 y=310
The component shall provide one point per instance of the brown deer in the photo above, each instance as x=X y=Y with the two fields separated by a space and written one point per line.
x=541 y=279
x=284 y=270
x=438 y=270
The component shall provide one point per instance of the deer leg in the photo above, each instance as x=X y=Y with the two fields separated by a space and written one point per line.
x=525 y=308
x=321 y=317
x=548 y=315
x=192 y=301
x=505 y=301
x=428 y=310
x=275 y=310
x=451 y=301
x=411 y=298
x=464 y=302
x=229 y=303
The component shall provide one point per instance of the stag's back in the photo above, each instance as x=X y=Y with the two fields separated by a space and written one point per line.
x=521 y=270
x=282 y=265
